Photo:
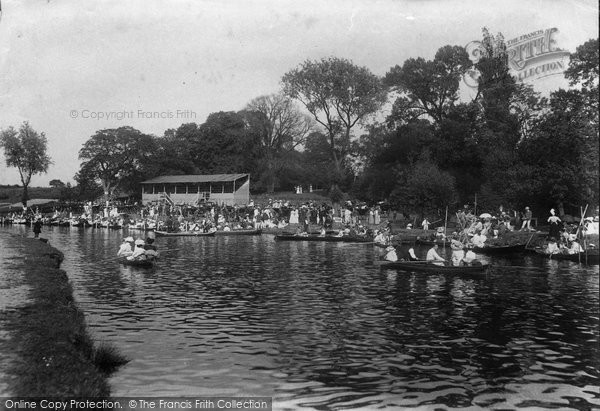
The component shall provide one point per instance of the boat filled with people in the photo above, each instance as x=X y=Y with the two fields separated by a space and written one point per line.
x=590 y=257
x=431 y=267
x=137 y=252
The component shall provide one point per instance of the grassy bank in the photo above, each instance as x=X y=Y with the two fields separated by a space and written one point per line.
x=54 y=353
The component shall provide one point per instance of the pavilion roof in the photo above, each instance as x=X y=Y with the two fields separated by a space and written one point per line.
x=195 y=178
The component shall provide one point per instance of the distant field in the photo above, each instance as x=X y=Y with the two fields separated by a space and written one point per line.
x=11 y=195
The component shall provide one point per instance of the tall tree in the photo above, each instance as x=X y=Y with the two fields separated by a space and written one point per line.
x=562 y=151
x=26 y=150
x=338 y=94
x=226 y=143
x=505 y=108
x=282 y=128
x=427 y=87
x=112 y=156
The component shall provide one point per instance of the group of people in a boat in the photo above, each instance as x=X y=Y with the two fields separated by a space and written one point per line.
x=460 y=255
x=137 y=250
x=563 y=247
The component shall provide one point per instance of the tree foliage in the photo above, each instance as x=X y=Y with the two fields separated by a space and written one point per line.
x=423 y=186
x=281 y=127
x=56 y=183
x=112 y=156
x=427 y=87
x=25 y=150
x=338 y=94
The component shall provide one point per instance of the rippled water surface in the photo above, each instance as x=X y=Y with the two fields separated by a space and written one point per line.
x=319 y=326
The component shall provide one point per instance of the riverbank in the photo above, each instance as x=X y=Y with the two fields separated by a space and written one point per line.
x=47 y=349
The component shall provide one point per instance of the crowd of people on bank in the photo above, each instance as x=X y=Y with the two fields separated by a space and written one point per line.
x=471 y=231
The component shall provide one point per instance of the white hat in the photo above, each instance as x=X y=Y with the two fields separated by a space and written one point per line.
x=139 y=242
x=456 y=245
x=129 y=239
x=389 y=248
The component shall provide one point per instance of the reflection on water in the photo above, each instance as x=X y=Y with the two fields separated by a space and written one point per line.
x=320 y=326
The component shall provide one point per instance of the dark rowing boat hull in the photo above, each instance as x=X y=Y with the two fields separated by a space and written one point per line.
x=328 y=239
x=429 y=267
x=183 y=234
x=137 y=263
x=238 y=232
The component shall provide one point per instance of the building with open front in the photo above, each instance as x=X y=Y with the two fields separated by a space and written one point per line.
x=227 y=189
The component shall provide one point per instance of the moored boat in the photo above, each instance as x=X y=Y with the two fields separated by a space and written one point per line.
x=184 y=234
x=325 y=238
x=589 y=257
x=425 y=266
x=238 y=232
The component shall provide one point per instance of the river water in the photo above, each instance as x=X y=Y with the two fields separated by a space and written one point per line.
x=320 y=326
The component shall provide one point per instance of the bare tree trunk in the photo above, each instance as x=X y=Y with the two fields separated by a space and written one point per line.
x=270 y=173
x=25 y=195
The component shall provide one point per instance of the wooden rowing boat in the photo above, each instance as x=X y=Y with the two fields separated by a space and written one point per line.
x=137 y=263
x=184 y=234
x=591 y=257
x=326 y=238
x=425 y=266
x=238 y=232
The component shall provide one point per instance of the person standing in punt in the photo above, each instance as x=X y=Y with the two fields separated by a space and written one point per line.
x=554 y=222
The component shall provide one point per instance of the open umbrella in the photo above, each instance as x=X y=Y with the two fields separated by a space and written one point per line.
x=485 y=215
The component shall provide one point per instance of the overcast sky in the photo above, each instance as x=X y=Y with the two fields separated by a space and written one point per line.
x=61 y=59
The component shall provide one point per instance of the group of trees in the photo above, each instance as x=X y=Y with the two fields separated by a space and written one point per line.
x=507 y=145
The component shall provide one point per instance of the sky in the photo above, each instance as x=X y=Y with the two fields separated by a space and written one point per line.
x=72 y=67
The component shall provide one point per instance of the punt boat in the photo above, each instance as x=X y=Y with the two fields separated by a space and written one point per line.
x=425 y=266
